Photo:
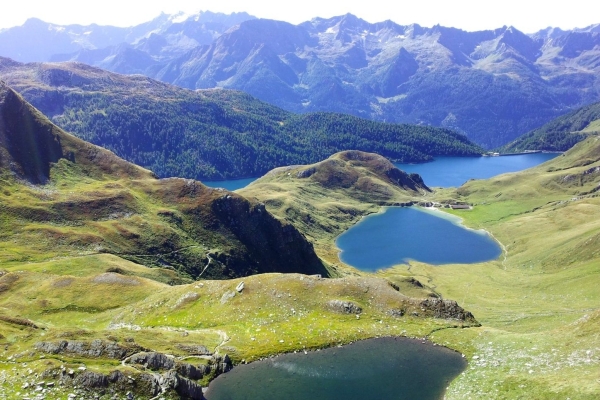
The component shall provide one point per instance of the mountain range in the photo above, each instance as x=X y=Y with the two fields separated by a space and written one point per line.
x=492 y=85
x=165 y=36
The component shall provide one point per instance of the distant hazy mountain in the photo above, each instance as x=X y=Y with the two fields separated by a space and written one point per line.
x=166 y=36
x=491 y=85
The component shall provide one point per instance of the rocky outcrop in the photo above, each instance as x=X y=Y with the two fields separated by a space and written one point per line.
x=191 y=371
x=197 y=350
x=273 y=245
x=184 y=387
x=306 y=173
x=86 y=384
x=344 y=307
x=222 y=363
x=446 y=309
x=91 y=379
x=96 y=348
x=168 y=374
x=154 y=361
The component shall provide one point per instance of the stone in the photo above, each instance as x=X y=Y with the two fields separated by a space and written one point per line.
x=240 y=287
x=227 y=296
x=446 y=309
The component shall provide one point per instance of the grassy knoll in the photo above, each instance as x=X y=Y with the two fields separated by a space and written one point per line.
x=324 y=199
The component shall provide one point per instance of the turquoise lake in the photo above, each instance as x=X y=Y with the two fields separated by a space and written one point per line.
x=384 y=368
x=454 y=171
x=400 y=234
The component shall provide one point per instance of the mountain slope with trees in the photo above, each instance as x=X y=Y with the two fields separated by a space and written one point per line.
x=561 y=133
x=209 y=134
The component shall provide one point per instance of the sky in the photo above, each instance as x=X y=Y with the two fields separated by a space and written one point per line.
x=528 y=16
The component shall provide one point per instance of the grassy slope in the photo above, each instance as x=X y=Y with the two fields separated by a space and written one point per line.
x=74 y=299
x=79 y=199
x=539 y=304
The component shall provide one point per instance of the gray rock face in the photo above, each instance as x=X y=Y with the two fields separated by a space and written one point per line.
x=306 y=173
x=154 y=361
x=192 y=372
x=91 y=379
x=96 y=348
x=197 y=350
x=177 y=377
x=184 y=387
x=116 y=383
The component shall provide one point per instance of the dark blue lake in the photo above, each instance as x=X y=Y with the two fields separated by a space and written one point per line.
x=400 y=234
x=454 y=171
x=385 y=368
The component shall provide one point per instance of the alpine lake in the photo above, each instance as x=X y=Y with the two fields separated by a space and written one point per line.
x=443 y=171
x=383 y=368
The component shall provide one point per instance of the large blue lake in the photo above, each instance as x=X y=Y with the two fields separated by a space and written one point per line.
x=454 y=171
x=400 y=234
x=443 y=171
x=386 y=368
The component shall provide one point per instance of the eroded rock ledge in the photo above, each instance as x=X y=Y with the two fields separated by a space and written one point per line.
x=157 y=374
